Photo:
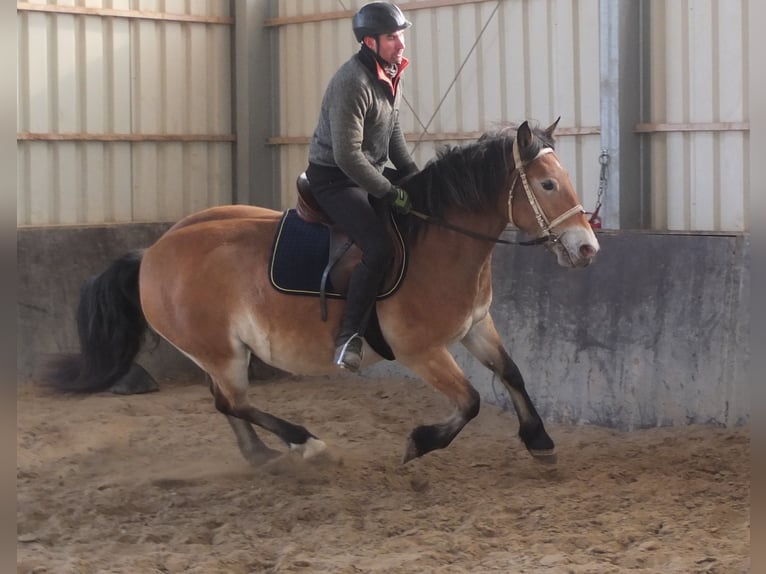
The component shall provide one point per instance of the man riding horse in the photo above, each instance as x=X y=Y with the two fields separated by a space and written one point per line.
x=206 y=285
x=357 y=133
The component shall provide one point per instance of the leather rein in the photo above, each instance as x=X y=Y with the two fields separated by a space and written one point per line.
x=548 y=236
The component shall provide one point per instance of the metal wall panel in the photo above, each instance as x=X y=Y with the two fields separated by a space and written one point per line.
x=474 y=66
x=147 y=99
x=699 y=69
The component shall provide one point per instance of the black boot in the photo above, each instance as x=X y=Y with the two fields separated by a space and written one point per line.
x=360 y=300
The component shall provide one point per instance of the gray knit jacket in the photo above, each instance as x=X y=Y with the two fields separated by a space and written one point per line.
x=358 y=128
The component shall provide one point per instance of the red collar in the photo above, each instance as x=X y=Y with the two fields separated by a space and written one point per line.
x=392 y=82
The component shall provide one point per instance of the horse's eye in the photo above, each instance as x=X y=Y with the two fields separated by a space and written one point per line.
x=549 y=185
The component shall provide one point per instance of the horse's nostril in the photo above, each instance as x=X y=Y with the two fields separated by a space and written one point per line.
x=587 y=251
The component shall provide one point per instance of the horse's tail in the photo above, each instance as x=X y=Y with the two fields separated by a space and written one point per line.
x=110 y=325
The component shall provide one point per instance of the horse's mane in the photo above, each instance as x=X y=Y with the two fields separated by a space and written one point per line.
x=468 y=177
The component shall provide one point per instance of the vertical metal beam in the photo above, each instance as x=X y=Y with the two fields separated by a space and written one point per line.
x=256 y=165
x=756 y=202
x=621 y=47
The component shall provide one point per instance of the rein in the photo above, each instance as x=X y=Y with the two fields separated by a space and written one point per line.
x=545 y=225
x=475 y=235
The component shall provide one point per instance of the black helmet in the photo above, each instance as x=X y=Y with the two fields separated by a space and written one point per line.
x=378 y=18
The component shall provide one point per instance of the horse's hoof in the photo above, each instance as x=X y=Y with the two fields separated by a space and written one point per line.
x=411 y=451
x=135 y=382
x=545 y=456
x=424 y=439
x=311 y=448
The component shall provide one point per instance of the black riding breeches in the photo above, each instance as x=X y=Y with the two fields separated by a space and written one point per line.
x=362 y=217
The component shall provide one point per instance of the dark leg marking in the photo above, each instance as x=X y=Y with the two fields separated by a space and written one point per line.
x=425 y=438
x=250 y=444
x=531 y=428
x=292 y=435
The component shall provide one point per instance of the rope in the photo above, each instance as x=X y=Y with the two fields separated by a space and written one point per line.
x=454 y=80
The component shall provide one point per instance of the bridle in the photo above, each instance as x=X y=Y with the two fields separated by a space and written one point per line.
x=548 y=236
x=542 y=220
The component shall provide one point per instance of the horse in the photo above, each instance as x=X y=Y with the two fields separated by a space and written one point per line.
x=204 y=286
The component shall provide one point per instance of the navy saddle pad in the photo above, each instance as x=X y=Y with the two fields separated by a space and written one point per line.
x=300 y=254
x=298 y=258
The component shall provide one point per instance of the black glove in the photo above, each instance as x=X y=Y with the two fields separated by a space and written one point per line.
x=399 y=200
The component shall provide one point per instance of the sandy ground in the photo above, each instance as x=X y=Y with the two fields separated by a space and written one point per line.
x=155 y=483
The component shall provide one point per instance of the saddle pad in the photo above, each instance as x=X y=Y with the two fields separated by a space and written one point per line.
x=300 y=254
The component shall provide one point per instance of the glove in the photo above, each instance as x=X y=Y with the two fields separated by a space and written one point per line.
x=399 y=200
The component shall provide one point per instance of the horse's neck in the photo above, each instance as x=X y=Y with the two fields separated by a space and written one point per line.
x=450 y=250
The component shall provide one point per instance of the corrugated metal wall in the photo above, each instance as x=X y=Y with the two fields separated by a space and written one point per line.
x=124 y=106
x=124 y=110
x=699 y=115
x=516 y=59
x=474 y=64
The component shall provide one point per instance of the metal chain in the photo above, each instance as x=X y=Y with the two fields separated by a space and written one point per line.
x=595 y=217
x=603 y=159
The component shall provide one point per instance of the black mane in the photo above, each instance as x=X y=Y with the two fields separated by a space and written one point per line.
x=468 y=177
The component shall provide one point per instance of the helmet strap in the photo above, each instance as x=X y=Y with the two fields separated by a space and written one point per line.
x=376 y=51
x=389 y=68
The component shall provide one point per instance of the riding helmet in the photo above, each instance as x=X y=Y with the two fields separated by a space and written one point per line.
x=378 y=18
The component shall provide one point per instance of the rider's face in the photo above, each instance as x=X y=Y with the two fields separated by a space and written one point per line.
x=390 y=46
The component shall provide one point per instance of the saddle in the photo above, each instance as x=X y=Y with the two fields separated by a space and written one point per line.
x=344 y=255
x=305 y=239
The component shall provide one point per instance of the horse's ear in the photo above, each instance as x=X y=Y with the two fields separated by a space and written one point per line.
x=524 y=135
x=551 y=128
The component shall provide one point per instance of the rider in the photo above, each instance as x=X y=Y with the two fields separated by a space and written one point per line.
x=357 y=133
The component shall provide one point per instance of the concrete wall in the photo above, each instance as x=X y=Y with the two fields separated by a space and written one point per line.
x=656 y=332
x=52 y=263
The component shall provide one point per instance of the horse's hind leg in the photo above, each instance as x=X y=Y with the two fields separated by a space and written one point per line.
x=229 y=387
x=483 y=341
x=250 y=444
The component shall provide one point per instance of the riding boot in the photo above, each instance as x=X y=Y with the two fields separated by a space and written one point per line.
x=360 y=299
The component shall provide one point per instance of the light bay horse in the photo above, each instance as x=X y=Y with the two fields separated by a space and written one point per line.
x=205 y=287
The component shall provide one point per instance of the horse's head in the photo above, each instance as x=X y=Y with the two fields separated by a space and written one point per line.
x=542 y=200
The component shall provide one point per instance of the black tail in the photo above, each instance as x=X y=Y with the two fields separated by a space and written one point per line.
x=110 y=324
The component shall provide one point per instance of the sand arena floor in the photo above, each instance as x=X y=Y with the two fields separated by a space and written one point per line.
x=155 y=484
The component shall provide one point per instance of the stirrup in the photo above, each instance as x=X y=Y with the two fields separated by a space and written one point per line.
x=349 y=355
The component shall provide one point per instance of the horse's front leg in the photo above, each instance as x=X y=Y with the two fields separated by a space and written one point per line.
x=438 y=368
x=483 y=341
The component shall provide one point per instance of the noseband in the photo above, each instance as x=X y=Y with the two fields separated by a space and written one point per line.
x=545 y=225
